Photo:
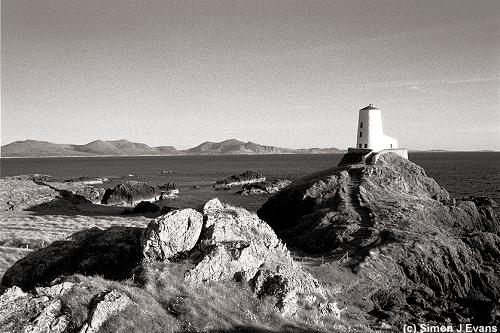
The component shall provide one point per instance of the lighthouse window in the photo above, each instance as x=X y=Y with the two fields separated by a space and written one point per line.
x=366 y=145
x=361 y=125
x=360 y=134
x=360 y=145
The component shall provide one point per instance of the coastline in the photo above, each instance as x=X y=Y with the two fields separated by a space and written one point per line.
x=240 y=154
x=246 y=154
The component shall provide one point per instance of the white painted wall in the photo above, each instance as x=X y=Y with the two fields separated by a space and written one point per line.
x=370 y=134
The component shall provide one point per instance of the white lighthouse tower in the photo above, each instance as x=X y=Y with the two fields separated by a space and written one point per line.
x=370 y=133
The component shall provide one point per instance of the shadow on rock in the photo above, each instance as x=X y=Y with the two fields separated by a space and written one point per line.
x=111 y=253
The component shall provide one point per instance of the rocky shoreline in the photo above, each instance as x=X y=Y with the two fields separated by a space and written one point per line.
x=373 y=245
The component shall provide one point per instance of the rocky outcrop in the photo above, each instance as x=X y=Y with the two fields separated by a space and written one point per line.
x=111 y=253
x=170 y=234
x=130 y=193
x=264 y=187
x=236 y=244
x=246 y=177
x=391 y=217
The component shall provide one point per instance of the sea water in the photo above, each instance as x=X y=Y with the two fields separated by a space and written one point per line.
x=461 y=173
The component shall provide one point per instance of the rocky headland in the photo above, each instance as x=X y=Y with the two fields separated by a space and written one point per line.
x=418 y=255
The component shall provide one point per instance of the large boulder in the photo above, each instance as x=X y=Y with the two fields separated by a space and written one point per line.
x=399 y=231
x=130 y=193
x=236 y=245
x=111 y=253
x=171 y=234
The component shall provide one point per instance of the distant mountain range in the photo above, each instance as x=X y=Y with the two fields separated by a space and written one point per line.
x=34 y=148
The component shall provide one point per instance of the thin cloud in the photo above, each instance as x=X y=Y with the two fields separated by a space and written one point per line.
x=414 y=85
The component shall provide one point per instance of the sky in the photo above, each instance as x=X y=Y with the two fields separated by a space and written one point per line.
x=283 y=73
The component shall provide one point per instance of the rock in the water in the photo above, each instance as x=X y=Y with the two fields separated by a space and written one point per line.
x=107 y=304
x=112 y=253
x=170 y=234
x=246 y=177
x=168 y=191
x=264 y=187
x=87 y=180
x=398 y=225
x=131 y=193
x=145 y=207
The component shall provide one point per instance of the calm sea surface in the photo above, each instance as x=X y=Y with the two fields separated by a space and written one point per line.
x=460 y=173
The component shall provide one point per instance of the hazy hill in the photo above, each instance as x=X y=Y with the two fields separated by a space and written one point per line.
x=232 y=146
x=33 y=148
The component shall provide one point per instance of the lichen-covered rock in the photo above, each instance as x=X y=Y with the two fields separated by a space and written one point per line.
x=399 y=230
x=170 y=234
x=107 y=304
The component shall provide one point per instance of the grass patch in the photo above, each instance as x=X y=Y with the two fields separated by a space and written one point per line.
x=163 y=302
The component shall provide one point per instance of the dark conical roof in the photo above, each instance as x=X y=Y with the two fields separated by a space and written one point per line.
x=369 y=107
